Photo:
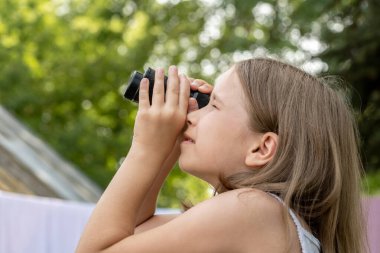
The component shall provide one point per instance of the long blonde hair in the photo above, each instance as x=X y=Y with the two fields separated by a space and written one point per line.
x=317 y=167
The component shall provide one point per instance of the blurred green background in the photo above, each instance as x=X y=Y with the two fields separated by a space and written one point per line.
x=64 y=65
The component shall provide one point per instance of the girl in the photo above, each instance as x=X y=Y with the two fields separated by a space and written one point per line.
x=279 y=146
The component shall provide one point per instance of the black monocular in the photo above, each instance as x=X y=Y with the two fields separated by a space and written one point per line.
x=133 y=87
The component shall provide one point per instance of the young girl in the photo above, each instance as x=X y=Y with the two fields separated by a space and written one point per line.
x=279 y=146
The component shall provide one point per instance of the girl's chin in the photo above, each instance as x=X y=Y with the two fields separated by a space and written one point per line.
x=198 y=173
x=181 y=163
x=186 y=163
x=185 y=168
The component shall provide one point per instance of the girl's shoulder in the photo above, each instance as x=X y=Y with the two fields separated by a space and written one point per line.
x=253 y=216
x=246 y=202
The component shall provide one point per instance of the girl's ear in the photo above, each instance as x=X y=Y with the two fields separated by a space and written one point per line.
x=262 y=151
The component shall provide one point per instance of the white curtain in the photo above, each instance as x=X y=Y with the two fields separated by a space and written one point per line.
x=31 y=224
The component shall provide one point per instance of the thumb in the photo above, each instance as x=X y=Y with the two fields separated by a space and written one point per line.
x=193 y=105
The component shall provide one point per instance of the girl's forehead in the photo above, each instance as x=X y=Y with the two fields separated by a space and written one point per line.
x=228 y=89
x=226 y=82
x=225 y=74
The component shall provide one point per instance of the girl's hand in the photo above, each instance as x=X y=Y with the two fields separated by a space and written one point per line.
x=157 y=126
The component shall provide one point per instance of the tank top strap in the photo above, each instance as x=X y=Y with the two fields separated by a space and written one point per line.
x=309 y=243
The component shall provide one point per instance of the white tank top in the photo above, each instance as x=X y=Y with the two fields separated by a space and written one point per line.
x=309 y=243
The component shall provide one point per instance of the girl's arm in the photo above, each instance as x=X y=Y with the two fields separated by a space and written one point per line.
x=157 y=127
x=148 y=206
x=130 y=197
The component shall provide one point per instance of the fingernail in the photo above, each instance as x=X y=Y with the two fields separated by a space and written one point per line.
x=193 y=103
x=195 y=83
x=160 y=71
x=204 y=87
x=172 y=68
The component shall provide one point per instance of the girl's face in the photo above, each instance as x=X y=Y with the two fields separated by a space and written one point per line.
x=220 y=133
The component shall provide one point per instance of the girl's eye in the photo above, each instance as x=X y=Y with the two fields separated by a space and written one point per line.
x=214 y=106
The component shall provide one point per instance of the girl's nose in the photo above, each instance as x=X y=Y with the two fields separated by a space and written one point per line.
x=192 y=117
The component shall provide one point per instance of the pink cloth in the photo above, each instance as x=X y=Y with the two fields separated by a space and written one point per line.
x=372 y=211
x=31 y=224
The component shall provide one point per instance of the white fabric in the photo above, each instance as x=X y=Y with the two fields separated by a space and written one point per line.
x=30 y=224
x=40 y=225
x=309 y=243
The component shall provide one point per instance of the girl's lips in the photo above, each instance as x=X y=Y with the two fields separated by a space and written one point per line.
x=186 y=138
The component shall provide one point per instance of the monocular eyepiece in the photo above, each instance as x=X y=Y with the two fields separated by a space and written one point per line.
x=133 y=86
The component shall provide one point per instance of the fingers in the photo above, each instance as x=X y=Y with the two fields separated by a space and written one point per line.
x=158 y=89
x=184 y=93
x=193 y=105
x=172 y=92
x=144 y=94
x=177 y=93
x=201 y=86
x=206 y=88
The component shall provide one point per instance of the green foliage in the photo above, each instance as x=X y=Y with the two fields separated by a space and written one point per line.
x=188 y=189
x=371 y=183
x=64 y=64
